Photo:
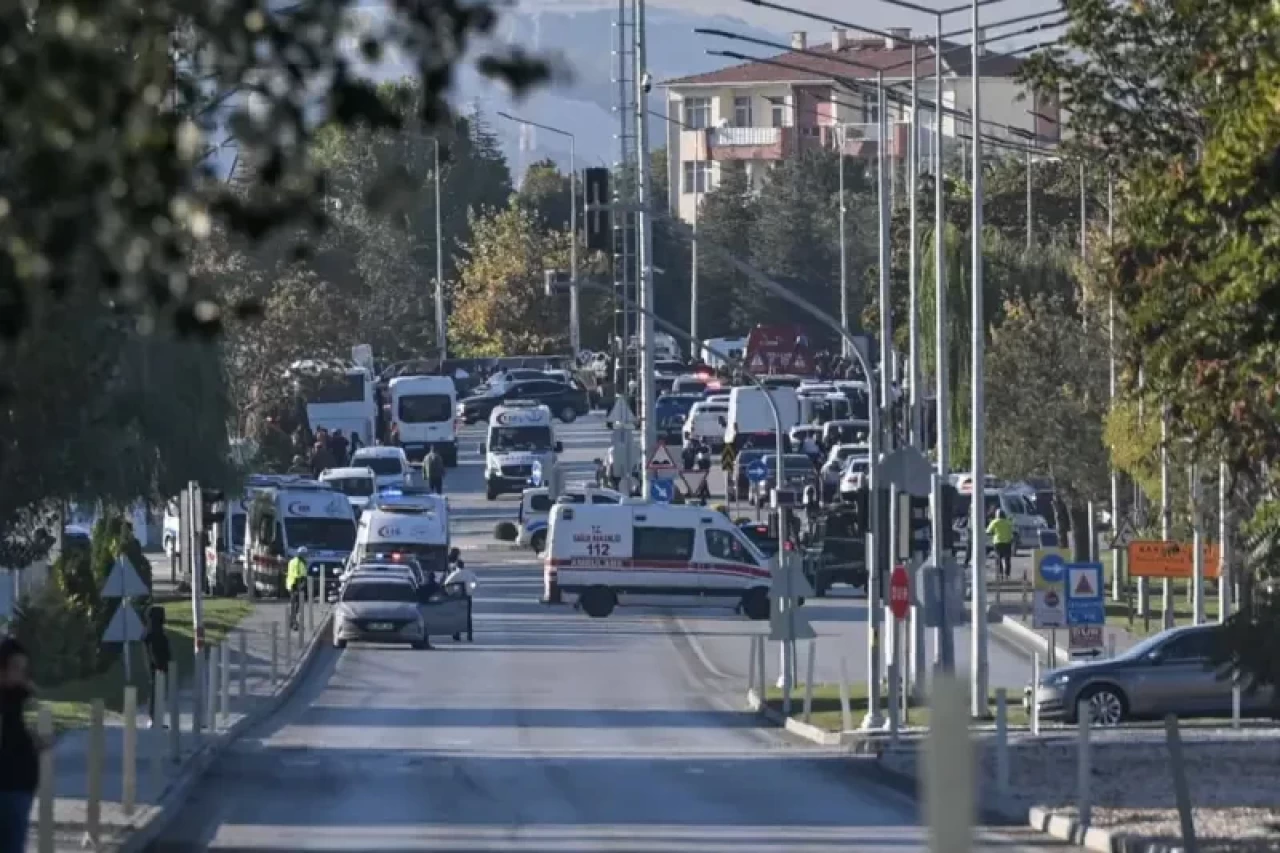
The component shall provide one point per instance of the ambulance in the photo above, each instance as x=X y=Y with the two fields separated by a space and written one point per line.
x=520 y=436
x=293 y=515
x=408 y=521
x=639 y=553
x=535 y=510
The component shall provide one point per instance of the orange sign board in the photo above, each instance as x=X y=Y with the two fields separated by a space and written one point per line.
x=1169 y=560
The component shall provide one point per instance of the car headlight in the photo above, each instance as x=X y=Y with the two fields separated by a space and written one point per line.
x=1059 y=680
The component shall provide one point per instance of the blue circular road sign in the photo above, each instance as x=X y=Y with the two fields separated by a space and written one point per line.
x=757 y=471
x=1053 y=568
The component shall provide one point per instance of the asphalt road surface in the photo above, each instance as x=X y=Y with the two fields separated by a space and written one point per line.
x=552 y=732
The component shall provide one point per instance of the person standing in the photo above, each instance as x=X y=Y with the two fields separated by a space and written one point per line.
x=295 y=582
x=19 y=748
x=156 y=642
x=1001 y=532
x=433 y=471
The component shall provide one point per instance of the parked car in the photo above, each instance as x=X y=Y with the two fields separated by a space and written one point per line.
x=797 y=472
x=565 y=401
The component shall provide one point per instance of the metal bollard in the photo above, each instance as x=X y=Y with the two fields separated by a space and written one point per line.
x=1235 y=705
x=808 y=682
x=751 y=664
x=288 y=647
x=1002 y=741
x=846 y=715
x=197 y=697
x=275 y=652
x=93 y=787
x=44 y=812
x=1084 y=772
x=244 y=668
x=950 y=804
x=1035 y=686
x=760 y=671
x=224 y=682
x=1181 y=793
x=129 y=759
x=895 y=704
x=211 y=692
x=1111 y=646
x=175 y=715
x=311 y=609
x=157 y=733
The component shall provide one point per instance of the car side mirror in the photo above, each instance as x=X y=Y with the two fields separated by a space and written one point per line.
x=559 y=447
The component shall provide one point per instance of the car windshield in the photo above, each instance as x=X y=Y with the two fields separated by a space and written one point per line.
x=425 y=409
x=520 y=438
x=857 y=464
x=372 y=590
x=352 y=487
x=848 y=451
x=321 y=534
x=238 y=522
x=696 y=385
x=792 y=464
x=383 y=466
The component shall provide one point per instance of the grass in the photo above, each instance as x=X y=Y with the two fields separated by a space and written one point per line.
x=69 y=702
x=826 y=706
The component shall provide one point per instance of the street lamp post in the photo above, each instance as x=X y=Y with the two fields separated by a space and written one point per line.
x=575 y=320
x=977 y=432
x=442 y=335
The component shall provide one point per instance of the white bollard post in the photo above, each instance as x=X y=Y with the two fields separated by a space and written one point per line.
x=288 y=648
x=93 y=788
x=129 y=772
x=751 y=664
x=175 y=715
x=311 y=611
x=198 y=690
x=243 y=661
x=808 y=682
x=275 y=652
x=1084 y=772
x=44 y=811
x=1002 y=742
x=224 y=682
x=1111 y=646
x=157 y=733
x=947 y=786
x=1235 y=705
x=846 y=715
x=1035 y=687
x=211 y=694
x=760 y=670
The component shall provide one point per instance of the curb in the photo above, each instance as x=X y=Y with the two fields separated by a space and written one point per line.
x=138 y=835
x=1068 y=829
x=859 y=743
x=1028 y=639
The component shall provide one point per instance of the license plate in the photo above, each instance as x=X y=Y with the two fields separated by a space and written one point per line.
x=380 y=626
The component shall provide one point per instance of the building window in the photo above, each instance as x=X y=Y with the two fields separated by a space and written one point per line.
x=697 y=113
x=779 y=115
x=742 y=111
x=697 y=176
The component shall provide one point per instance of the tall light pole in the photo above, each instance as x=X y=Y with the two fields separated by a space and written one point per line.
x=943 y=639
x=645 y=242
x=913 y=324
x=442 y=334
x=575 y=317
x=841 y=135
x=977 y=522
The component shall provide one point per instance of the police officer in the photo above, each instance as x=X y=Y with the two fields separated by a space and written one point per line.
x=433 y=471
x=295 y=580
x=1001 y=532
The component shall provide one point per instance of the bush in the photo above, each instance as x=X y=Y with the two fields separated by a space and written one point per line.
x=61 y=636
x=506 y=531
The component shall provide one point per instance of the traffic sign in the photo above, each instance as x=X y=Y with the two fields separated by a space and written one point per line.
x=1084 y=594
x=789 y=580
x=693 y=481
x=1125 y=534
x=123 y=582
x=757 y=471
x=1085 y=641
x=728 y=456
x=899 y=592
x=931 y=586
x=662 y=491
x=125 y=626
x=1050 y=595
x=621 y=414
x=1169 y=560
x=535 y=474
x=908 y=469
x=782 y=628
x=662 y=464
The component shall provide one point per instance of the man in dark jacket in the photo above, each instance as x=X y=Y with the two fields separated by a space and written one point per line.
x=433 y=471
x=19 y=748
x=156 y=642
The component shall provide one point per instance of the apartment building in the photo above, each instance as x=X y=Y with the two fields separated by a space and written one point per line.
x=761 y=112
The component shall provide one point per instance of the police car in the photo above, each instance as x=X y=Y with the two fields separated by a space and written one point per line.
x=520 y=436
x=535 y=510
x=649 y=553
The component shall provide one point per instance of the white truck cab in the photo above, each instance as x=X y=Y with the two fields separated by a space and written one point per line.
x=636 y=553
x=292 y=515
x=535 y=510
x=358 y=484
x=520 y=436
x=422 y=410
x=390 y=466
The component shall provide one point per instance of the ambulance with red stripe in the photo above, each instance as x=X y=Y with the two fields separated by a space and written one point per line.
x=641 y=553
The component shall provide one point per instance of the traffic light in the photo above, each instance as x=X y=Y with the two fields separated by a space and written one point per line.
x=599 y=222
x=213 y=506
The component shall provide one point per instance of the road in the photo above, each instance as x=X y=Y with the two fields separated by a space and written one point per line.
x=552 y=732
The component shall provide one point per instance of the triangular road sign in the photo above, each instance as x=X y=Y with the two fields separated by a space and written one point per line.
x=662 y=463
x=1124 y=535
x=621 y=414
x=789 y=580
x=124 y=625
x=123 y=582
x=779 y=623
x=693 y=481
x=1083 y=588
x=757 y=363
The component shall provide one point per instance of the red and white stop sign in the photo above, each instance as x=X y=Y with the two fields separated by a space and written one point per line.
x=899 y=592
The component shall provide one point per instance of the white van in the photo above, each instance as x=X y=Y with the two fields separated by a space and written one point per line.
x=602 y=555
x=734 y=348
x=422 y=409
x=706 y=423
x=358 y=484
x=293 y=515
x=390 y=466
x=520 y=436
x=404 y=525
x=1017 y=507
x=751 y=417
x=822 y=407
x=535 y=510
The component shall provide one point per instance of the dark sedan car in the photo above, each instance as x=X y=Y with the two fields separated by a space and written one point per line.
x=565 y=401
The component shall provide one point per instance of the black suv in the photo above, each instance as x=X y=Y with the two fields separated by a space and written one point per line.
x=565 y=401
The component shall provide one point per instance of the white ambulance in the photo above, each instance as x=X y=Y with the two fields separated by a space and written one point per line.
x=292 y=515
x=652 y=553
x=520 y=436
x=408 y=521
x=422 y=409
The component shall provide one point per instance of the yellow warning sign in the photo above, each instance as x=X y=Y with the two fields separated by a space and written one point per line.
x=1169 y=560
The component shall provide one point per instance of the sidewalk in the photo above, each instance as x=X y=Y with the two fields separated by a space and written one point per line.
x=160 y=783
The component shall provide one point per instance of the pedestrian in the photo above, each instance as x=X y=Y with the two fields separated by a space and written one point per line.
x=1001 y=532
x=394 y=440
x=339 y=446
x=295 y=580
x=19 y=748
x=433 y=471
x=156 y=642
x=321 y=458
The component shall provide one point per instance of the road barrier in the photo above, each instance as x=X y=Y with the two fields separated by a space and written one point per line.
x=1084 y=770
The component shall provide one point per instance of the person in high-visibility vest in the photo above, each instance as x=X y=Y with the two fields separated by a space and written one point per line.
x=1001 y=532
x=295 y=580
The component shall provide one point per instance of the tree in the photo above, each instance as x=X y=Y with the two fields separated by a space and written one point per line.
x=548 y=194
x=501 y=307
x=727 y=218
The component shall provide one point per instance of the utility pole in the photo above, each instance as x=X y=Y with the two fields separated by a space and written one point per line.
x=575 y=323
x=844 y=253
x=1030 y=203
x=695 y=344
x=886 y=317
x=1166 y=514
x=913 y=313
x=1226 y=597
x=442 y=329
x=977 y=522
x=644 y=234
x=624 y=251
x=944 y=645
x=1197 y=544
x=1111 y=362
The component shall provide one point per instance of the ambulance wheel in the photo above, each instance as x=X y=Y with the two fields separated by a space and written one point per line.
x=599 y=601
x=568 y=414
x=538 y=541
x=755 y=604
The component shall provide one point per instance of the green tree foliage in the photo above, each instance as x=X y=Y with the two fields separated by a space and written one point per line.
x=727 y=217
x=548 y=193
x=61 y=637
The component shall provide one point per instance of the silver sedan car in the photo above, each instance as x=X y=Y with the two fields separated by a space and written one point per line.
x=379 y=608
x=1170 y=673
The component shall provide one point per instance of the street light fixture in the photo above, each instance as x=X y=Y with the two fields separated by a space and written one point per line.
x=575 y=328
